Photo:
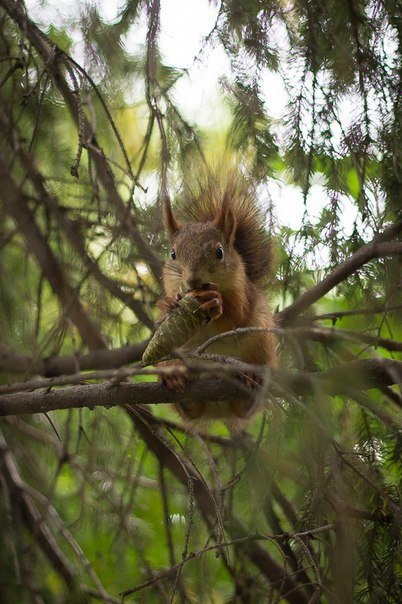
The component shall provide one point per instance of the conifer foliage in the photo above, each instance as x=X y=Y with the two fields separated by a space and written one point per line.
x=104 y=494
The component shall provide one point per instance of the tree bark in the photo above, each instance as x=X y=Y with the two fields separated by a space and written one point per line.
x=365 y=374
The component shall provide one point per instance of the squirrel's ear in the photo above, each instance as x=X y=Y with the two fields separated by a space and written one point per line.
x=170 y=222
x=226 y=222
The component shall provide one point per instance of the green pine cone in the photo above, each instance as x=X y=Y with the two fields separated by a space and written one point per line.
x=175 y=330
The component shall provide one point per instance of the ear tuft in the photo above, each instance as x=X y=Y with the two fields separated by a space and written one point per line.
x=226 y=222
x=170 y=222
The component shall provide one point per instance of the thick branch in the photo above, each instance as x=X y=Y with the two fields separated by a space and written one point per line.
x=17 y=207
x=109 y=395
x=365 y=374
x=377 y=248
x=115 y=358
x=52 y=366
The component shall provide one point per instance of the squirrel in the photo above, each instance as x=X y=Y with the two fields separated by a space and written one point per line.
x=222 y=255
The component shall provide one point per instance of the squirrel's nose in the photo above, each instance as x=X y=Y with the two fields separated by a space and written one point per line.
x=194 y=283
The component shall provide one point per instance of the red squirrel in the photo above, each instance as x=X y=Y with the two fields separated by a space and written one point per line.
x=221 y=254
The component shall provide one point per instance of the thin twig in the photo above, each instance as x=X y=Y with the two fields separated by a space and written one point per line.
x=216 y=546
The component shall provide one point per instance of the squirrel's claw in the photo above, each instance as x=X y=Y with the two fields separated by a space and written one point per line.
x=214 y=308
x=174 y=381
x=210 y=301
x=166 y=305
x=173 y=302
x=250 y=379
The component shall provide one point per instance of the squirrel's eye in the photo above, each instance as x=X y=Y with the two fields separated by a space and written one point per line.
x=219 y=253
x=173 y=255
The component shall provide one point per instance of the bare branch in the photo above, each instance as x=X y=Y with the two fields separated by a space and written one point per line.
x=117 y=375
x=328 y=335
x=233 y=542
x=364 y=375
x=52 y=366
x=150 y=432
x=320 y=334
x=335 y=315
x=377 y=248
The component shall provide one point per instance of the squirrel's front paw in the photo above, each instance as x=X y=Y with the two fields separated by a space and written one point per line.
x=210 y=301
x=174 y=380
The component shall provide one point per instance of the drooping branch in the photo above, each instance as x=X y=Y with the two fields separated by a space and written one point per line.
x=17 y=207
x=32 y=517
x=41 y=533
x=364 y=375
x=184 y=471
x=151 y=94
x=51 y=56
x=68 y=228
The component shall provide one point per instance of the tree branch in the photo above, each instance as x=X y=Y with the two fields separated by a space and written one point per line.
x=17 y=207
x=69 y=228
x=364 y=375
x=184 y=471
x=32 y=518
x=377 y=248
x=327 y=335
x=41 y=533
x=336 y=315
x=47 y=49
x=67 y=365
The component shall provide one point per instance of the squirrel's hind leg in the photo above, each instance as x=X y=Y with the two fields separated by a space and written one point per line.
x=190 y=410
x=175 y=379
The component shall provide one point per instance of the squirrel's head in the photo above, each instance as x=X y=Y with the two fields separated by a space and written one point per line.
x=202 y=253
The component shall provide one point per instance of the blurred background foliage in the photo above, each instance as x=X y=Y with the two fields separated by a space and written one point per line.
x=90 y=135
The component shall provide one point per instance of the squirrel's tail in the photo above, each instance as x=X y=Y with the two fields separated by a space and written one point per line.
x=205 y=200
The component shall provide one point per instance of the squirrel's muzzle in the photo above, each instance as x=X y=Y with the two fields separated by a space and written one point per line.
x=194 y=282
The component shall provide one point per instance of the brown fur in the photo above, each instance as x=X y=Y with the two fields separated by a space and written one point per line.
x=225 y=217
x=218 y=197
